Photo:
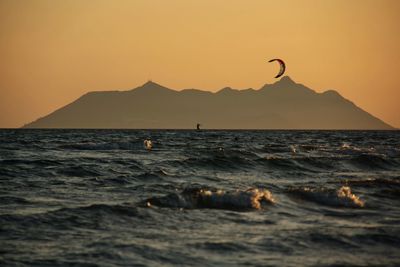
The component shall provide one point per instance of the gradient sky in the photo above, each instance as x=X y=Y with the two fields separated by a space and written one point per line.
x=52 y=52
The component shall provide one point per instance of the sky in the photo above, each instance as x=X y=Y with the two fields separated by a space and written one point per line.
x=52 y=52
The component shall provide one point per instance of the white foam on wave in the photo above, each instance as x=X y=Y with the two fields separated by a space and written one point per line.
x=346 y=197
x=343 y=197
x=249 y=199
x=345 y=146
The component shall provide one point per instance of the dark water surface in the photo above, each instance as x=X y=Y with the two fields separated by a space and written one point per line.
x=287 y=198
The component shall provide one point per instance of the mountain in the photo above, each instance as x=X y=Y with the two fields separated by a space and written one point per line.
x=282 y=105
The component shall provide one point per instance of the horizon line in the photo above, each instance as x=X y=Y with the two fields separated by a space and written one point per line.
x=206 y=129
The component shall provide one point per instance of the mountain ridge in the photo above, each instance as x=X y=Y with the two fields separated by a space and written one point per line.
x=284 y=104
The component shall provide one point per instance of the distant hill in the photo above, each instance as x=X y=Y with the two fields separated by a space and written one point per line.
x=282 y=105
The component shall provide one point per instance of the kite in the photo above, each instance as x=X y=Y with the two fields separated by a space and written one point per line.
x=282 y=64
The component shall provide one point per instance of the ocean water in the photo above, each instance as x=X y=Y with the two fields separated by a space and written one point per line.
x=207 y=198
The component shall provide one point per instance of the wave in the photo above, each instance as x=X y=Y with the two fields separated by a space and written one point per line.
x=90 y=216
x=36 y=162
x=78 y=171
x=276 y=148
x=391 y=239
x=192 y=198
x=385 y=188
x=374 y=182
x=343 y=197
x=318 y=163
x=216 y=159
x=309 y=147
x=104 y=208
x=331 y=162
x=219 y=162
x=13 y=200
x=227 y=247
x=284 y=164
x=104 y=146
x=288 y=163
x=156 y=175
x=372 y=161
x=118 y=180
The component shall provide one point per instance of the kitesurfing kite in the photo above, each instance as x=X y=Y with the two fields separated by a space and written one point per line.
x=282 y=64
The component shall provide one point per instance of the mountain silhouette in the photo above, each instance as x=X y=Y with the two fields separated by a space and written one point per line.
x=281 y=105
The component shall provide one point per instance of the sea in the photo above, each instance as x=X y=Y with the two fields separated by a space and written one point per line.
x=199 y=198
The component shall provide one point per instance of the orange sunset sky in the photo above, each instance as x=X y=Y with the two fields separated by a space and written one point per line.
x=52 y=52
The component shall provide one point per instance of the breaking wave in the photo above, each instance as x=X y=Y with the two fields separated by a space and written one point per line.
x=342 y=197
x=192 y=198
